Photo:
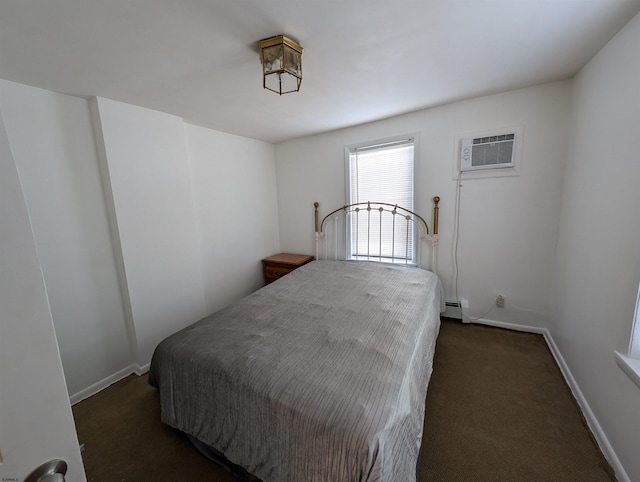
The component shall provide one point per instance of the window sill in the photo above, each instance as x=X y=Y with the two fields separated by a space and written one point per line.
x=630 y=366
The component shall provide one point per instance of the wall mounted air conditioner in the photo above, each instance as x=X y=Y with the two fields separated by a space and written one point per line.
x=490 y=152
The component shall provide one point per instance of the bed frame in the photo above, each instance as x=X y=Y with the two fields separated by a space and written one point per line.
x=335 y=234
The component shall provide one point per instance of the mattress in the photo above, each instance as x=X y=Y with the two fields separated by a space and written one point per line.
x=319 y=376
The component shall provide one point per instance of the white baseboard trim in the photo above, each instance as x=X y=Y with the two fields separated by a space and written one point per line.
x=141 y=370
x=511 y=326
x=592 y=421
x=110 y=380
x=589 y=416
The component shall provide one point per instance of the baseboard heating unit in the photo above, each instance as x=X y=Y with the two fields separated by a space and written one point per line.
x=453 y=310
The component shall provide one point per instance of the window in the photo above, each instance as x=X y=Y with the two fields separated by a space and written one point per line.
x=381 y=173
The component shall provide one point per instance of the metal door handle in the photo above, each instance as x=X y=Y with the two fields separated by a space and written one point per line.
x=52 y=471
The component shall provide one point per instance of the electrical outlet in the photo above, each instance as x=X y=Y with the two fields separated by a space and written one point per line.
x=500 y=301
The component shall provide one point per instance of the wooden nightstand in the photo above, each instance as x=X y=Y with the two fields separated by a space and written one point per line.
x=278 y=265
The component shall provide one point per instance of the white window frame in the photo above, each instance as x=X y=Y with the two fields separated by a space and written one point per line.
x=349 y=151
x=630 y=363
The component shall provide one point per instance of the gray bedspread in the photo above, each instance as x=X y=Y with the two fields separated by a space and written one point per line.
x=320 y=376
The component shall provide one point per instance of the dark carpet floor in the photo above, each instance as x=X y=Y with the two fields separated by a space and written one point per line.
x=498 y=409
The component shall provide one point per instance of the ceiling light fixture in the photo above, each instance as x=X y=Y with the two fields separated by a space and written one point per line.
x=281 y=60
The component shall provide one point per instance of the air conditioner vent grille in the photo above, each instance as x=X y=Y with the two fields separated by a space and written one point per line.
x=490 y=152
x=486 y=140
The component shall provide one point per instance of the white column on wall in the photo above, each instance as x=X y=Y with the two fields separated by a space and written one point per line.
x=52 y=141
x=146 y=169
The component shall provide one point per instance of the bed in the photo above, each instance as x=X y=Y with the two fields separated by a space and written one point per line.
x=319 y=376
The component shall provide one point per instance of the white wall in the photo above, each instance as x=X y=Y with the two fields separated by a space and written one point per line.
x=234 y=183
x=53 y=145
x=36 y=424
x=508 y=225
x=151 y=202
x=597 y=267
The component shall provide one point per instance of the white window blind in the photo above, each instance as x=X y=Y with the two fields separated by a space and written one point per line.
x=381 y=173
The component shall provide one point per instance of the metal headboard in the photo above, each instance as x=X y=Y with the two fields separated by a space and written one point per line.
x=373 y=213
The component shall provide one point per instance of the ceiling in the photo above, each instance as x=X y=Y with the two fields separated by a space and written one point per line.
x=363 y=60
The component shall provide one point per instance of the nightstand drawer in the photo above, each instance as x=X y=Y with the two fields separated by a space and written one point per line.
x=272 y=273
x=278 y=265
